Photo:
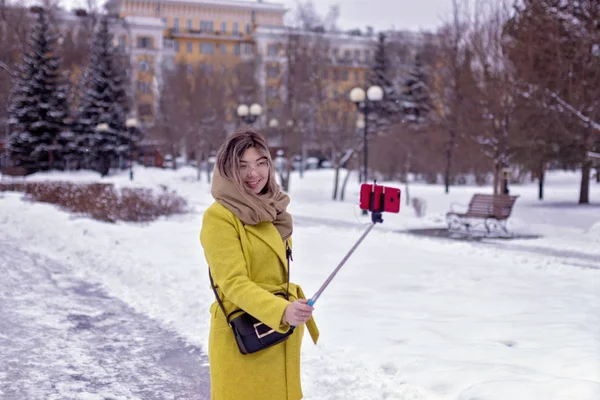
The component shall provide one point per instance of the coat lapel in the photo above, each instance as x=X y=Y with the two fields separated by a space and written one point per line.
x=267 y=232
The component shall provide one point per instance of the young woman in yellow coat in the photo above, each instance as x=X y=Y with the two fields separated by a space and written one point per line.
x=244 y=236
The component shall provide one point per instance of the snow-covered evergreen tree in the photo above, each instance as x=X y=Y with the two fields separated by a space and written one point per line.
x=38 y=108
x=104 y=101
x=415 y=98
x=388 y=111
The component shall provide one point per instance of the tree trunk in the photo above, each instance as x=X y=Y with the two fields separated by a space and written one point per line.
x=541 y=178
x=199 y=157
x=209 y=168
x=336 y=182
x=449 y=161
x=496 y=177
x=346 y=179
x=288 y=175
x=584 y=192
x=406 y=173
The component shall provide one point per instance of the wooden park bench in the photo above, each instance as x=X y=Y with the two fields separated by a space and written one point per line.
x=493 y=209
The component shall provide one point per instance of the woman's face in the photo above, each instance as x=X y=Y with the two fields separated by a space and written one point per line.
x=254 y=170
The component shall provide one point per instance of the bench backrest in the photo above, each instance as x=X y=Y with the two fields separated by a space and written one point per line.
x=497 y=205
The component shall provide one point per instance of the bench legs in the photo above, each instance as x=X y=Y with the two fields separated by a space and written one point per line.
x=458 y=223
x=493 y=223
x=455 y=223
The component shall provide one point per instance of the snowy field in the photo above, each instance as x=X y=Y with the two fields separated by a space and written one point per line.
x=408 y=317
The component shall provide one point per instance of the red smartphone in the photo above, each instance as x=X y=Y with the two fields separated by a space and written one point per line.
x=372 y=196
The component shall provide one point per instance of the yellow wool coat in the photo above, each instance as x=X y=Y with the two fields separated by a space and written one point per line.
x=248 y=265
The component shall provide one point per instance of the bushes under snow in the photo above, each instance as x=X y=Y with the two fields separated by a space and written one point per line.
x=102 y=201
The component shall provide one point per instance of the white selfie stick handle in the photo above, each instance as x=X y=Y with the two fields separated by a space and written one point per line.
x=314 y=299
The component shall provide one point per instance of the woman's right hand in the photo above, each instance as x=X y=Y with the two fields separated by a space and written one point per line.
x=298 y=312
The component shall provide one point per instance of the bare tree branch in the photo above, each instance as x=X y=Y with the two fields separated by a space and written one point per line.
x=587 y=122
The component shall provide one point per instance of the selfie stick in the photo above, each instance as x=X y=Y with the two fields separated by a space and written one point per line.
x=375 y=218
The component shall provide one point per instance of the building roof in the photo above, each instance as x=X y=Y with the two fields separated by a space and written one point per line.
x=239 y=4
x=339 y=36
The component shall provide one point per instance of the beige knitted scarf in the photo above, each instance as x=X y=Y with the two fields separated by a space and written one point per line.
x=270 y=207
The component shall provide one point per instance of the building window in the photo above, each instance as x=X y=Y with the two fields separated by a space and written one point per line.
x=273 y=50
x=189 y=25
x=165 y=21
x=272 y=92
x=207 y=26
x=207 y=68
x=175 y=24
x=145 y=109
x=336 y=75
x=236 y=49
x=169 y=63
x=248 y=29
x=356 y=55
x=345 y=75
x=273 y=71
x=325 y=74
x=143 y=66
x=248 y=48
x=236 y=28
x=367 y=56
x=356 y=76
x=169 y=43
x=207 y=48
x=144 y=42
x=223 y=26
x=347 y=55
x=188 y=47
x=122 y=42
x=176 y=46
x=223 y=49
x=144 y=87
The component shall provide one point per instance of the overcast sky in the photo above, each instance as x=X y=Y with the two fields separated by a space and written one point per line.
x=380 y=14
x=385 y=14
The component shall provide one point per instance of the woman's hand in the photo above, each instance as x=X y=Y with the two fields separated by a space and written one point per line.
x=298 y=312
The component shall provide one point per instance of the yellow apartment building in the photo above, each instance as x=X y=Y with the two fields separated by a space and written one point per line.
x=343 y=61
x=207 y=34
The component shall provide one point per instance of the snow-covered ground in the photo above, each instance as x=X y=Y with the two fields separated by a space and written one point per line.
x=62 y=339
x=408 y=317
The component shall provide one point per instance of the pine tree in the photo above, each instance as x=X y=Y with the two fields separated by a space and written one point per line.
x=39 y=106
x=388 y=111
x=104 y=101
x=415 y=98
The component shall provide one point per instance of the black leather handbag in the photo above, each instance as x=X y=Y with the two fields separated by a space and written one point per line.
x=250 y=334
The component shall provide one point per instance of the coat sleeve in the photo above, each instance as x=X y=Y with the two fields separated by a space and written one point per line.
x=225 y=257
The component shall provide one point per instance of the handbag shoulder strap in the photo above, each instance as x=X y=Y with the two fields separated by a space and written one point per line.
x=288 y=256
x=212 y=284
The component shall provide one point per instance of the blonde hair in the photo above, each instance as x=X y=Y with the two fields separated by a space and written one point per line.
x=230 y=155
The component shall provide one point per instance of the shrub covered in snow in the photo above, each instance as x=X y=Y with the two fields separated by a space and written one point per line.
x=102 y=201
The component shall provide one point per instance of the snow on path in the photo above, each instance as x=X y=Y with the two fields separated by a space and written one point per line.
x=62 y=338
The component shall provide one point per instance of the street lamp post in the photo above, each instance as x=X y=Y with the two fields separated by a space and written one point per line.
x=274 y=124
x=131 y=125
x=365 y=101
x=249 y=114
x=360 y=128
x=104 y=163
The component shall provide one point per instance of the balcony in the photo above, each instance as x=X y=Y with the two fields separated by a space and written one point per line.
x=344 y=61
x=204 y=34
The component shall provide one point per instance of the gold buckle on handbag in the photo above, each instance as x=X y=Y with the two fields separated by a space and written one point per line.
x=259 y=335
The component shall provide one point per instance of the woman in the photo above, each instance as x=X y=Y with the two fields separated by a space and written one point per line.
x=244 y=236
